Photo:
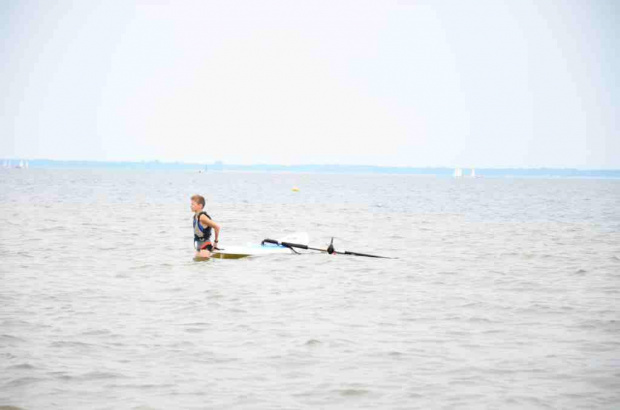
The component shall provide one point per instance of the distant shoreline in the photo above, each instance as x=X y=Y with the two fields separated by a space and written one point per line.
x=318 y=169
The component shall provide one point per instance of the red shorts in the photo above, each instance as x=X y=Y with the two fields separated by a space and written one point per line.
x=204 y=245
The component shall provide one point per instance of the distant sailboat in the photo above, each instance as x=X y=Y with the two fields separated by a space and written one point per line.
x=458 y=173
x=473 y=173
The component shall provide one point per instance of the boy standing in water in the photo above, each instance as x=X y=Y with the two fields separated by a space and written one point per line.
x=203 y=225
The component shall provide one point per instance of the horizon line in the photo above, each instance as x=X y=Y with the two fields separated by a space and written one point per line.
x=308 y=164
x=220 y=166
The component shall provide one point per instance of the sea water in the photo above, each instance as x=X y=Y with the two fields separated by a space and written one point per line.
x=505 y=292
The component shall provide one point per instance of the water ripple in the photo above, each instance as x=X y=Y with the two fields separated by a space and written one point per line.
x=504 y=293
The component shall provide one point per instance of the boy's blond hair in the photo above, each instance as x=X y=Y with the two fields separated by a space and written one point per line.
x=199 y=200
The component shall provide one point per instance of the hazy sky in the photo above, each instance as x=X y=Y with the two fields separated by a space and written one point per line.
x=523 y=83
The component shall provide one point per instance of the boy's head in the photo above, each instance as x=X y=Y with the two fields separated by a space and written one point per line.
x=198 y=203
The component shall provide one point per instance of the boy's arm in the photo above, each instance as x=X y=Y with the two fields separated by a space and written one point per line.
x=208 y=222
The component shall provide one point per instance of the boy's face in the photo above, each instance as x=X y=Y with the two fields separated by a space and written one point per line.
x=196 y=206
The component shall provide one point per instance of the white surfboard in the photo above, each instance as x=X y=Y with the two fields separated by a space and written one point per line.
x=243 y=251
